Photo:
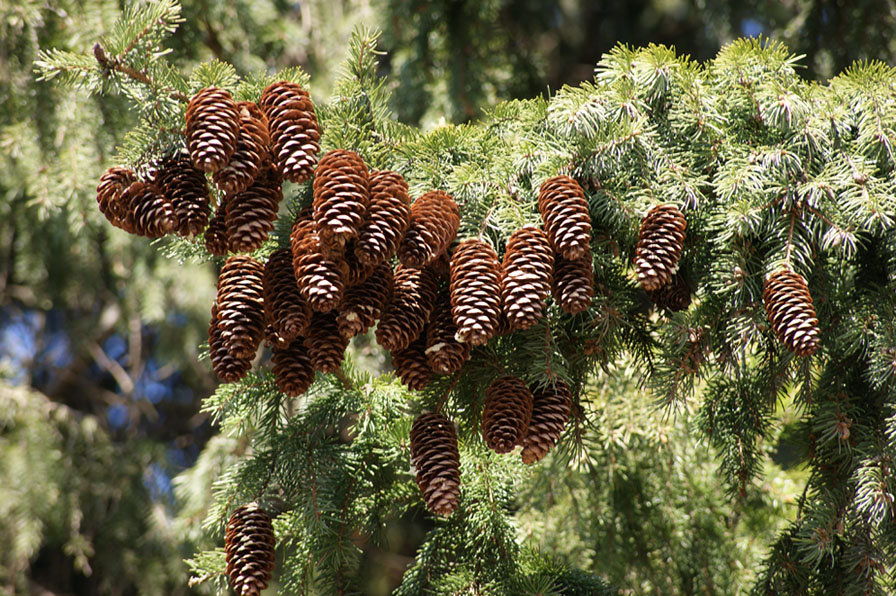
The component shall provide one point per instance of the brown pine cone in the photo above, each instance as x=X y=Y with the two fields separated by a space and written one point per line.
x=295 y=134
x=251 y=214
x=149 y=213
x=249 y=547
x=364 y=303
x=285 y=308
x=341 y=194
x=674 y=296
x=506 y=414
x=320 y=279
x=413 y=296
x=475 y=291
x=186 y=188
x=550 y=412
x=526 y=280
x=109 y=193
x=388 y=217
x=411 y=365
x=241 y=305
x=659 y=246
x=293 y=370
x=790 y=311
x=443 y=352
x=573 y=283
x=213 y=126
x=436 y=460
x=564 y=211
x=441 y=265
x=435 y=218
x=355 y=272
x=251 y=151
x=227 y=367
x=326 y=346
x=215 y=237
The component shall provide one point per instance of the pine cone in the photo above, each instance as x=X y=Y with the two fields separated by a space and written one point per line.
x=526 y=281
x=249 y=550
x=216 y=241
x=285 y=308
x=227 y=367
x=789 y=308
x=213 y=126
x=295 y=134
x=364 y=303
x=341 y=195
x=573 y=283
x=388 y=218
x=241 y=305
x=506 y=415
x=319 y=279
x=564 y=211
x=674 y=296
x=251 y=214
x=149 y=214
x=659 y=246
x=436 y=460
x=413 y=296
x=475 y=291
x=326 y=346
x=550 y=411
x=411 y=365
x=187 y=190
x=109 y=193
x=292 y=368
x=354 y=271
x=435 y=218
x=443 y=352
x=251 y=151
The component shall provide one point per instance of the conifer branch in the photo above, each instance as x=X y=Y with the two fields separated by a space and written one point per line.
x=117 y=65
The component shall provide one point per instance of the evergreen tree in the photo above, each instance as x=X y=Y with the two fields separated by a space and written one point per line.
x=768 y=197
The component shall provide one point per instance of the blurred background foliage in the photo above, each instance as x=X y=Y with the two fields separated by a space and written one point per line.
x=101 y=377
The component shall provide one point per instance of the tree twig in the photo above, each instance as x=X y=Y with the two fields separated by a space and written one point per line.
x=115 y=64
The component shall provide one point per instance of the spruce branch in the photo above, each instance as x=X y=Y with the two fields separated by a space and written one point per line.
x=116 y=64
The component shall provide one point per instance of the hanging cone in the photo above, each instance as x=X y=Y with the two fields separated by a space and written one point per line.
x=319 y=279
x=411 y=365
x=674 y=296
x=109 y=193
x=326 y=346
x=659 y=246
x=443 y=352
x=435 y=218
x=149 y=214
x=564 y=211
x=249 y=545
x=295 y=134
x=240 y=305
x=251 y=151
x=436 y=460
x=251 y=214
x=341 y=195
x=441 y=265
x=227 y=367
x=475 y=291
x=285 y=308
x=413 y=296
x=363 y=304
x=187 y=190
x=789 y=308
x=573 y=283
x=213 y=126
x=526 y=280
x=293 y=369
x=388 y=218
x=506 y=415
x=215 y=237
x=550 y=411
x=354 y=272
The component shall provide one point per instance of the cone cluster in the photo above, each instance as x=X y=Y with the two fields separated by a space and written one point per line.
x=790 y=312
x=660 y=242
x=249 y=545
x=436 y=461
